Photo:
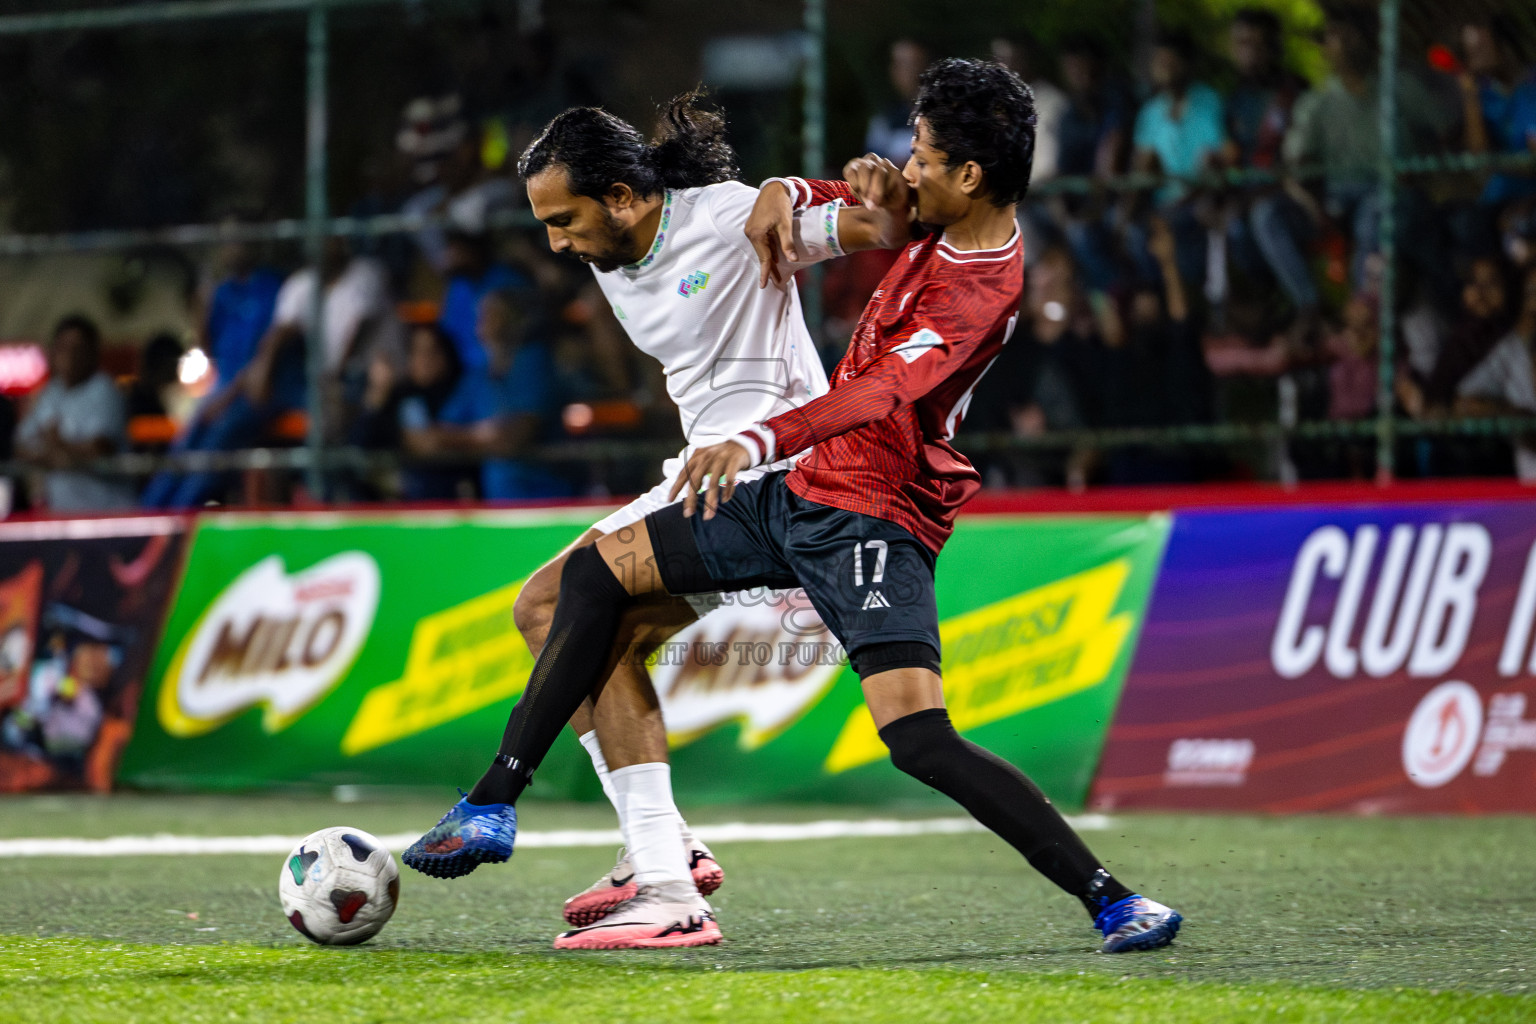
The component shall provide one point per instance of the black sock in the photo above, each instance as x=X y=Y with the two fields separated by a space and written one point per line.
x=926 y=746
x=568 y=670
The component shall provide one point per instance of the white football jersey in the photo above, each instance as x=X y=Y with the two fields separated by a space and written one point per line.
x=734 y=354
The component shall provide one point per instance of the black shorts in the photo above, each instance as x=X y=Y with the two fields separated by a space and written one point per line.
x=870 y=580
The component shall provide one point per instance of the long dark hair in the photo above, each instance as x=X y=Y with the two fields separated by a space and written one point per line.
x=598 y=150
x=437 y=393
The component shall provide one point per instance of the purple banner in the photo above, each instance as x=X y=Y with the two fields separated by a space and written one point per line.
x=1372 y=658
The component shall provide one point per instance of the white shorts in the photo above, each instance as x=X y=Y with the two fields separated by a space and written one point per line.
x=656 y=499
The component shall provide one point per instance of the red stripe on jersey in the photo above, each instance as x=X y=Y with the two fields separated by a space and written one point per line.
x=881 y=434
x=823 y=192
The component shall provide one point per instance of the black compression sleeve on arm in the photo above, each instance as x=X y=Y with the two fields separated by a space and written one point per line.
x=926 y=746
x=571 y=666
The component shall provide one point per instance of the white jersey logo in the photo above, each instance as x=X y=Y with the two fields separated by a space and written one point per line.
x=875 y=599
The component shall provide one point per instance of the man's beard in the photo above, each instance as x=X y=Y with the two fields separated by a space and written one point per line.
x=617 y=249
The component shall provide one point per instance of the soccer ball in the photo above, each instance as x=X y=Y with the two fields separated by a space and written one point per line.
x=339 y=886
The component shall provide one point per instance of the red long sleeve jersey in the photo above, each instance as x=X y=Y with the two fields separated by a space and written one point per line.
x=881 y=434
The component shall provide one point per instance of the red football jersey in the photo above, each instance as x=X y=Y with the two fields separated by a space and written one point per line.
x=881 y=434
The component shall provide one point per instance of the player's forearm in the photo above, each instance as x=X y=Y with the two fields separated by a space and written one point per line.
x=864 y=400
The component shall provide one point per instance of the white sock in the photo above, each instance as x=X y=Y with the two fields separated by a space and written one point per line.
x=652 y=826
x=600 y=765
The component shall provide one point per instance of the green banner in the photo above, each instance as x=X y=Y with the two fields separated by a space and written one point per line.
x=380 y=649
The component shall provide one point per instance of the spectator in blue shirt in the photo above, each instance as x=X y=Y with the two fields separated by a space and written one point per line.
x=1498 y=104
x=495 y=415
x=436 y=393
x=1179 y=131
x=527 y=401
x=239 y=316
x=472 y=274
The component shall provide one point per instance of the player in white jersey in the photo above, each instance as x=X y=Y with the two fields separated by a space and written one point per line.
x=662 y=226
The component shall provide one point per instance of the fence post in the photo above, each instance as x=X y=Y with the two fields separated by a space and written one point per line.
x=315 y=215
x=813 y=137
x=1386 y=84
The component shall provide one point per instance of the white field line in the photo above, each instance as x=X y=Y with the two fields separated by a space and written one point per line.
x=735 y=832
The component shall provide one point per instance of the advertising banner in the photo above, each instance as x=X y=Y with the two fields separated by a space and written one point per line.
x=374 y=649
x=1373 y=658
x=81 y=603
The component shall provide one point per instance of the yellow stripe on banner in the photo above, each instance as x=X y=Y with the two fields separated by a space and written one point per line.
x=460 y=660
x=1019 y=653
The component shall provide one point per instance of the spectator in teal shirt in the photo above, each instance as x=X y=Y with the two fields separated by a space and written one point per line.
x=1179 y=131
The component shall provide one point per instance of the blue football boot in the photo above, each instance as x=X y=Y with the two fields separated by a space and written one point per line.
x=1137 y=923
x=466 y=837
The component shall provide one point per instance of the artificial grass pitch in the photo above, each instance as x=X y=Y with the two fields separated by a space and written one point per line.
x=1294 y=919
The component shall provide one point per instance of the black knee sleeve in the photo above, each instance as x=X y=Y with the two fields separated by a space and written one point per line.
x=923 y=743
x=571 y=666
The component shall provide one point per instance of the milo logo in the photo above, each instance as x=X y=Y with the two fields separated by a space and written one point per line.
x=273 y=640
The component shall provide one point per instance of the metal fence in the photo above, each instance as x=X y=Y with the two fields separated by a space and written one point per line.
x=318 y=223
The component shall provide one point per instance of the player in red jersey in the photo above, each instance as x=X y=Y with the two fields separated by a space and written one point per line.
x=860 y=520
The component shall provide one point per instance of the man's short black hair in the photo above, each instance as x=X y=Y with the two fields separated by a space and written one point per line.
x=1261 y=18
x=1178 y=40
x=82 y=323
x=1081 y=44
x=979 y=110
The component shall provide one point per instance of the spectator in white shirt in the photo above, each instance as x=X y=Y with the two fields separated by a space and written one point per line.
x=79 y=416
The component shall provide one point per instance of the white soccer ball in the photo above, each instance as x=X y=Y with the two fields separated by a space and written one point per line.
x=339 y=886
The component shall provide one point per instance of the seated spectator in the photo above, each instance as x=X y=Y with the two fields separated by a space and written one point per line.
x=357 y=321
x=1498 y=112
x=1180 y=131
x=1504 y=383
x=409 y=413
x=472 y=274
x=78 y=417
x=890 y=130
x=527 y=401
x=1338 y=126
x=158 y=365
x=1093 y=141
x=236 y=319
x=1354 y=367
x=1489 y=309
x=494 y=416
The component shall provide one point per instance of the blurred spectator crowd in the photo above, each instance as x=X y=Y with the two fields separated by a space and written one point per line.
x=1204 y=297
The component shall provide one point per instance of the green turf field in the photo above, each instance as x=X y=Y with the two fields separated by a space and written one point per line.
x=1294 y=919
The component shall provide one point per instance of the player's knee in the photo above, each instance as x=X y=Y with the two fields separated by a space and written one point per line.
x=587 y=579
x=534 y=606
x=922 y=743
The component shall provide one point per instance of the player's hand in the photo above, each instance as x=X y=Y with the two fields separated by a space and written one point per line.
x=771 y=230
x=882 y=189
x=714 y=470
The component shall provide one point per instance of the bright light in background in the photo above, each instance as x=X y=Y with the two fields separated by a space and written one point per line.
x=577 y=417
x=22 y=368
x=193 y=366
x=1055 y=312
